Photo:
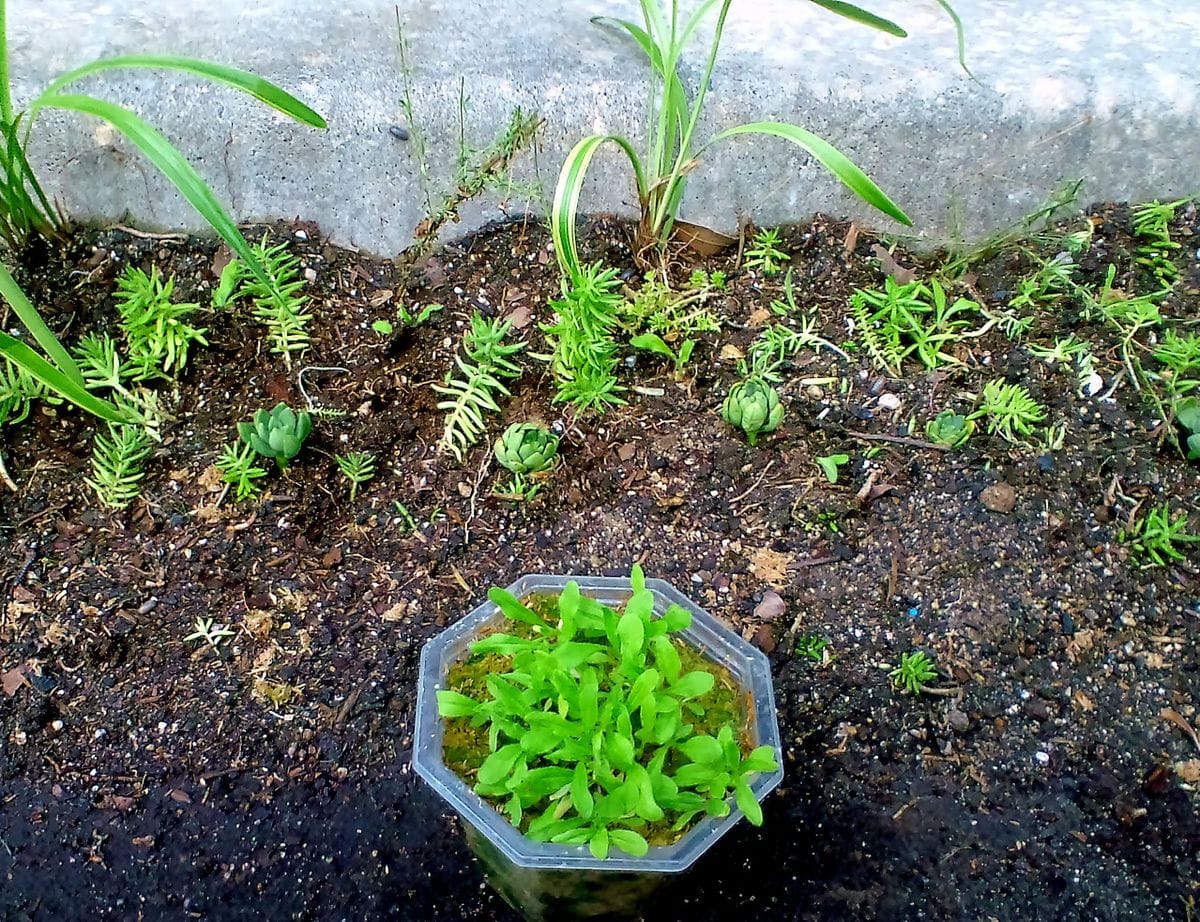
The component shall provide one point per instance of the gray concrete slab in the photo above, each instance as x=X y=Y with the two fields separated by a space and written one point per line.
x=1100 y=90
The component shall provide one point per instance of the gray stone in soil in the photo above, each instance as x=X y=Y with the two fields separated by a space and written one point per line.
x=1099 y=90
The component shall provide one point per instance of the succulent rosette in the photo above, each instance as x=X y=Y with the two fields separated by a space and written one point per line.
x=526 y=448
x=278 y=434
x=753 y=406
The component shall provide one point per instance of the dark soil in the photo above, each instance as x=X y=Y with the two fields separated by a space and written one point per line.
x=1051 y=773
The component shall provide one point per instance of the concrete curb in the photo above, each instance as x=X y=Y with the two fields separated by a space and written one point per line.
x=1105 y=92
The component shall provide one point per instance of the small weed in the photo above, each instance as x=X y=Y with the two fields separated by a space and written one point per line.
x=764 y=255
x=157 y=333
x=237 y=467
x=652 y=342
x=811 y=646
x=830 y=465
x=212 y=634
x=910 y=320
x=655 y=308
x=1152 y=537
x=404 y=515
x=1010 y=411
x=485 y=361
x=716 y=280
x=420 y=318
x=383 y=327
x=584 y=360
x=281 y=304
x=916 y=670
x=357 y=467
x=117 y=461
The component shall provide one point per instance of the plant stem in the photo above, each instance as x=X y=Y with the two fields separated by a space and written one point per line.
x=6 y=109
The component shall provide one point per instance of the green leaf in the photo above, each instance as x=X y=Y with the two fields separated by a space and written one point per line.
x=42 y=335
x=1193 y=444
x=694 y=684
x=644 y=687
x=499 y=764
x=568 y=609
x=513 y=609
x=568 y=189
x=629 y=841
x=631 y=632
x=677 y=618
x=693 y=775
x=828 y=156
x=748 y=803
x=864 y=17
x=581 y=795
x=1187 y=414
x=652 y=342
x=703 y=749
x=262 y=90
x=159 y=151
x=598 y=843
x=647 y=808
x=21 y=355
x=620 y=749
x=666 y=657
x=589 y=698
x=761 y=759
x=454 y=704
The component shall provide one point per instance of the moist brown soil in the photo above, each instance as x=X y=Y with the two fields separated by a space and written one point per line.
x=1050 y=773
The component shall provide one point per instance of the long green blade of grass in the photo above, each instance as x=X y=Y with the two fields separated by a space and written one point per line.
x=566 y=195
x=42 y=334
x=24 y=357
x=859 y=15
x=171 y=163
x=263 y=90
x=830 y=157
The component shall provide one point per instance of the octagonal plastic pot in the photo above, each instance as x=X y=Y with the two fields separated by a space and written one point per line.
x=545 y=881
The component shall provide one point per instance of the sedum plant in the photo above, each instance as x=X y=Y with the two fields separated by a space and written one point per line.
x=753 y=406
x=764 y=254
x=525 y=449
x=237 y=467
x=1010 y=411
x=589 y=725
x=1187 y=414
x=950 y=429
x=278 y=434
x=916 y=670
x=357 y=467
x=117 y=461
x=157 y=331
x=672 y=148
x=584 y=360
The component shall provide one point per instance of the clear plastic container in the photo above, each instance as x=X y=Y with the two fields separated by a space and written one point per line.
x=545 y=881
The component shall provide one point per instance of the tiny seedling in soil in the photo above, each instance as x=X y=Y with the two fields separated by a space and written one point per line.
x=916 y=670
x=652 y=342
x=237 y=467
x=1010 y=411
x=117 y=461
x=404 y=515
x=210 y=633
x=811 y=646
x=277 y=435
x=1152 y=537
x=357 y=467
x=594 y=726
x=764 y=255
x=830 y=465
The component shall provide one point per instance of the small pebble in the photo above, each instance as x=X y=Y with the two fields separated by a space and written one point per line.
x=999 y=497
x=399 y=132
x=889 y=402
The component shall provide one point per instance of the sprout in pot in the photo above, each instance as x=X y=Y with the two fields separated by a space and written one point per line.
x=590 y=716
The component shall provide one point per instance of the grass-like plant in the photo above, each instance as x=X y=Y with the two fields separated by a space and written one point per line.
x=672 y=149
x=55 y=370
x=764 y=255
x=1010 y=411
x=1152 y=538
x=916 y=670
x=589 y=725
x=237 y=467
x=157 y=331
x=584 y=360
x=24 y=207
x=357 y=467
x=485 y=363
x=117 y=461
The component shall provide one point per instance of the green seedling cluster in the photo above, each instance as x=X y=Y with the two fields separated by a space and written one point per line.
x=238 y=469
x=915 y=320
x=1153 y=538
x=1009 y=411
x=526 y=450
x=117 y=464
x=655 y=308
x=831 y=466
x=764 y=255
x=584 y=358
x=592 y=726
x=278 y=297
x=916 y=670
x=485 y=363
x=277 y=435
x=157 y=331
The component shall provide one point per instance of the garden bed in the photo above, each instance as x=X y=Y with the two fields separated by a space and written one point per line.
x=1052 y=771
